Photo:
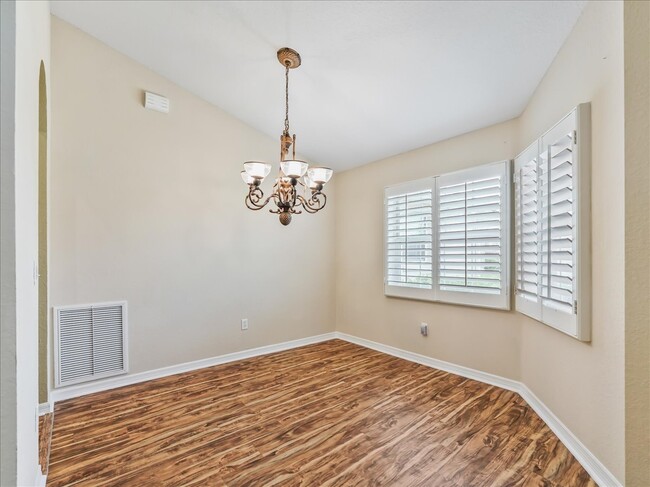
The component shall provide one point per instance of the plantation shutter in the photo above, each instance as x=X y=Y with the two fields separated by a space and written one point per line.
x=553 y=176
x=526 y=232
x=472 y=236
x=409 y=240
x=557 y=213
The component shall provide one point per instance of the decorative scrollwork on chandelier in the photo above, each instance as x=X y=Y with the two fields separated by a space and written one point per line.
x=297 y=186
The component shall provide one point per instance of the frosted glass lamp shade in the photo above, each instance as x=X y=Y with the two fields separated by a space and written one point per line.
x=294 y=169
x=256 y=169
x=320 y=175
x=309 y=183
x=248 y=179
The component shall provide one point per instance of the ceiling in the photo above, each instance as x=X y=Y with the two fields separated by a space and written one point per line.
x=377 y=78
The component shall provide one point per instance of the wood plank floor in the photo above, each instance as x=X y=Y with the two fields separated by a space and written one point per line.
x=44 y=440
x=330 y=414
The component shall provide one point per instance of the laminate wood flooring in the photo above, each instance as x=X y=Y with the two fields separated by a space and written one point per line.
x=44 y=440
x=330 y=414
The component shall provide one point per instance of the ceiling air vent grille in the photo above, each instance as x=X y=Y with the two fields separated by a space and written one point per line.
x=90 y=342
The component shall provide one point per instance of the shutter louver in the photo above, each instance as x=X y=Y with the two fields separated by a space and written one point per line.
x=409 y=253
x=89 y=342
x=526 y=227
x=557 y=223
x=470 y=236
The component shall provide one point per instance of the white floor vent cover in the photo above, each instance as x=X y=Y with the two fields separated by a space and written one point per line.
x=90 y=342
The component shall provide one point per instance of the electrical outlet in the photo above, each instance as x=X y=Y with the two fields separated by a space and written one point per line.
x=424 y=329
x=244 y=324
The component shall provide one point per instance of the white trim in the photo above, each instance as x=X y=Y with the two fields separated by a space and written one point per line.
x=598 y=472
x=495 y=380
x=40 y=480
x=601 y=475
x=45 y=408
x=63 y=393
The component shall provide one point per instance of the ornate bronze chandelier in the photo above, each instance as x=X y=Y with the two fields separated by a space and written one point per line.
x=297 y=185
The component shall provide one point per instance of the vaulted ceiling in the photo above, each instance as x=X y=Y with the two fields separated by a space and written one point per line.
x=377 y=79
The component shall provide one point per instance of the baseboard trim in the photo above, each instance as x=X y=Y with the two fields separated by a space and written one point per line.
x=598 y=472
x=45 y=408
x=40 y=480
x=495 y=380
x=70 y=392
x=601 y=475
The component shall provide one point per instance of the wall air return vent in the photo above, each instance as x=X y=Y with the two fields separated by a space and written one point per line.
x=90 y=342
x=156 y=102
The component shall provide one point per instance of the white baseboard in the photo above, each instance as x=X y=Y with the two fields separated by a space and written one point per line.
x=601 y=475
x=597 y=471
x=495 y=380
x=591 y=464
x=63 y=393
x=45 y=408
x=40 y=480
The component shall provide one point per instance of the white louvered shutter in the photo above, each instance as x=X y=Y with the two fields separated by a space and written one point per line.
x=90 y=342
x=526 y=232
x=473 y=236
x=559 y=162
x=409 y=240
x=557 y=249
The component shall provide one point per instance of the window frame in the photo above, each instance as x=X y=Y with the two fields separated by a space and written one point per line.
x=502 y=300
x=576 y=324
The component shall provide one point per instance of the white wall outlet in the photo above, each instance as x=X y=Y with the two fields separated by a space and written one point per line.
x=424 y=329
x=244 y=324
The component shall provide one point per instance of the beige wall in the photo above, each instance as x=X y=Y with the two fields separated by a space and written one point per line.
x=483 y=339
x=149 y=207
x=582 y=383
x=637 y=236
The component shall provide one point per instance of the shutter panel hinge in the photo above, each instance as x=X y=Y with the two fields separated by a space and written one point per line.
x=575 y=137
x=575 y=307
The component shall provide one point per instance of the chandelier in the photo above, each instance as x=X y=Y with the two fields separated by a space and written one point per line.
x=297 y=185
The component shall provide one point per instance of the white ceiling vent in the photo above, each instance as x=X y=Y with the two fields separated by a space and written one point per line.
x=156 y=102
x=90 y=342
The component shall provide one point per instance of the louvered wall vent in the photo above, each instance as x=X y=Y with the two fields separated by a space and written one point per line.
x=90 y=342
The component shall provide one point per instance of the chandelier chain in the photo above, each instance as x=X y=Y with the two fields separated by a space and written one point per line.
x=286 y=99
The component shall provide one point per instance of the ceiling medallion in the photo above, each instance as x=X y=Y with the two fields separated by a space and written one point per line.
x=297 y=185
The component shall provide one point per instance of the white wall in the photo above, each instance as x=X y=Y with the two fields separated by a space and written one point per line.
x=149 y=207
x=20 y=331
x=583 y=383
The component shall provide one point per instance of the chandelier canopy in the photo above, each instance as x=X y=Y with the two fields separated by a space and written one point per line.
x=297 y=185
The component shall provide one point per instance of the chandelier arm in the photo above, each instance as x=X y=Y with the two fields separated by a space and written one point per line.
x=254 y=196
x=314 y=204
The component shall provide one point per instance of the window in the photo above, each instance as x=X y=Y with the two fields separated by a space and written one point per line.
x=447 y=238
x=552 y=196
